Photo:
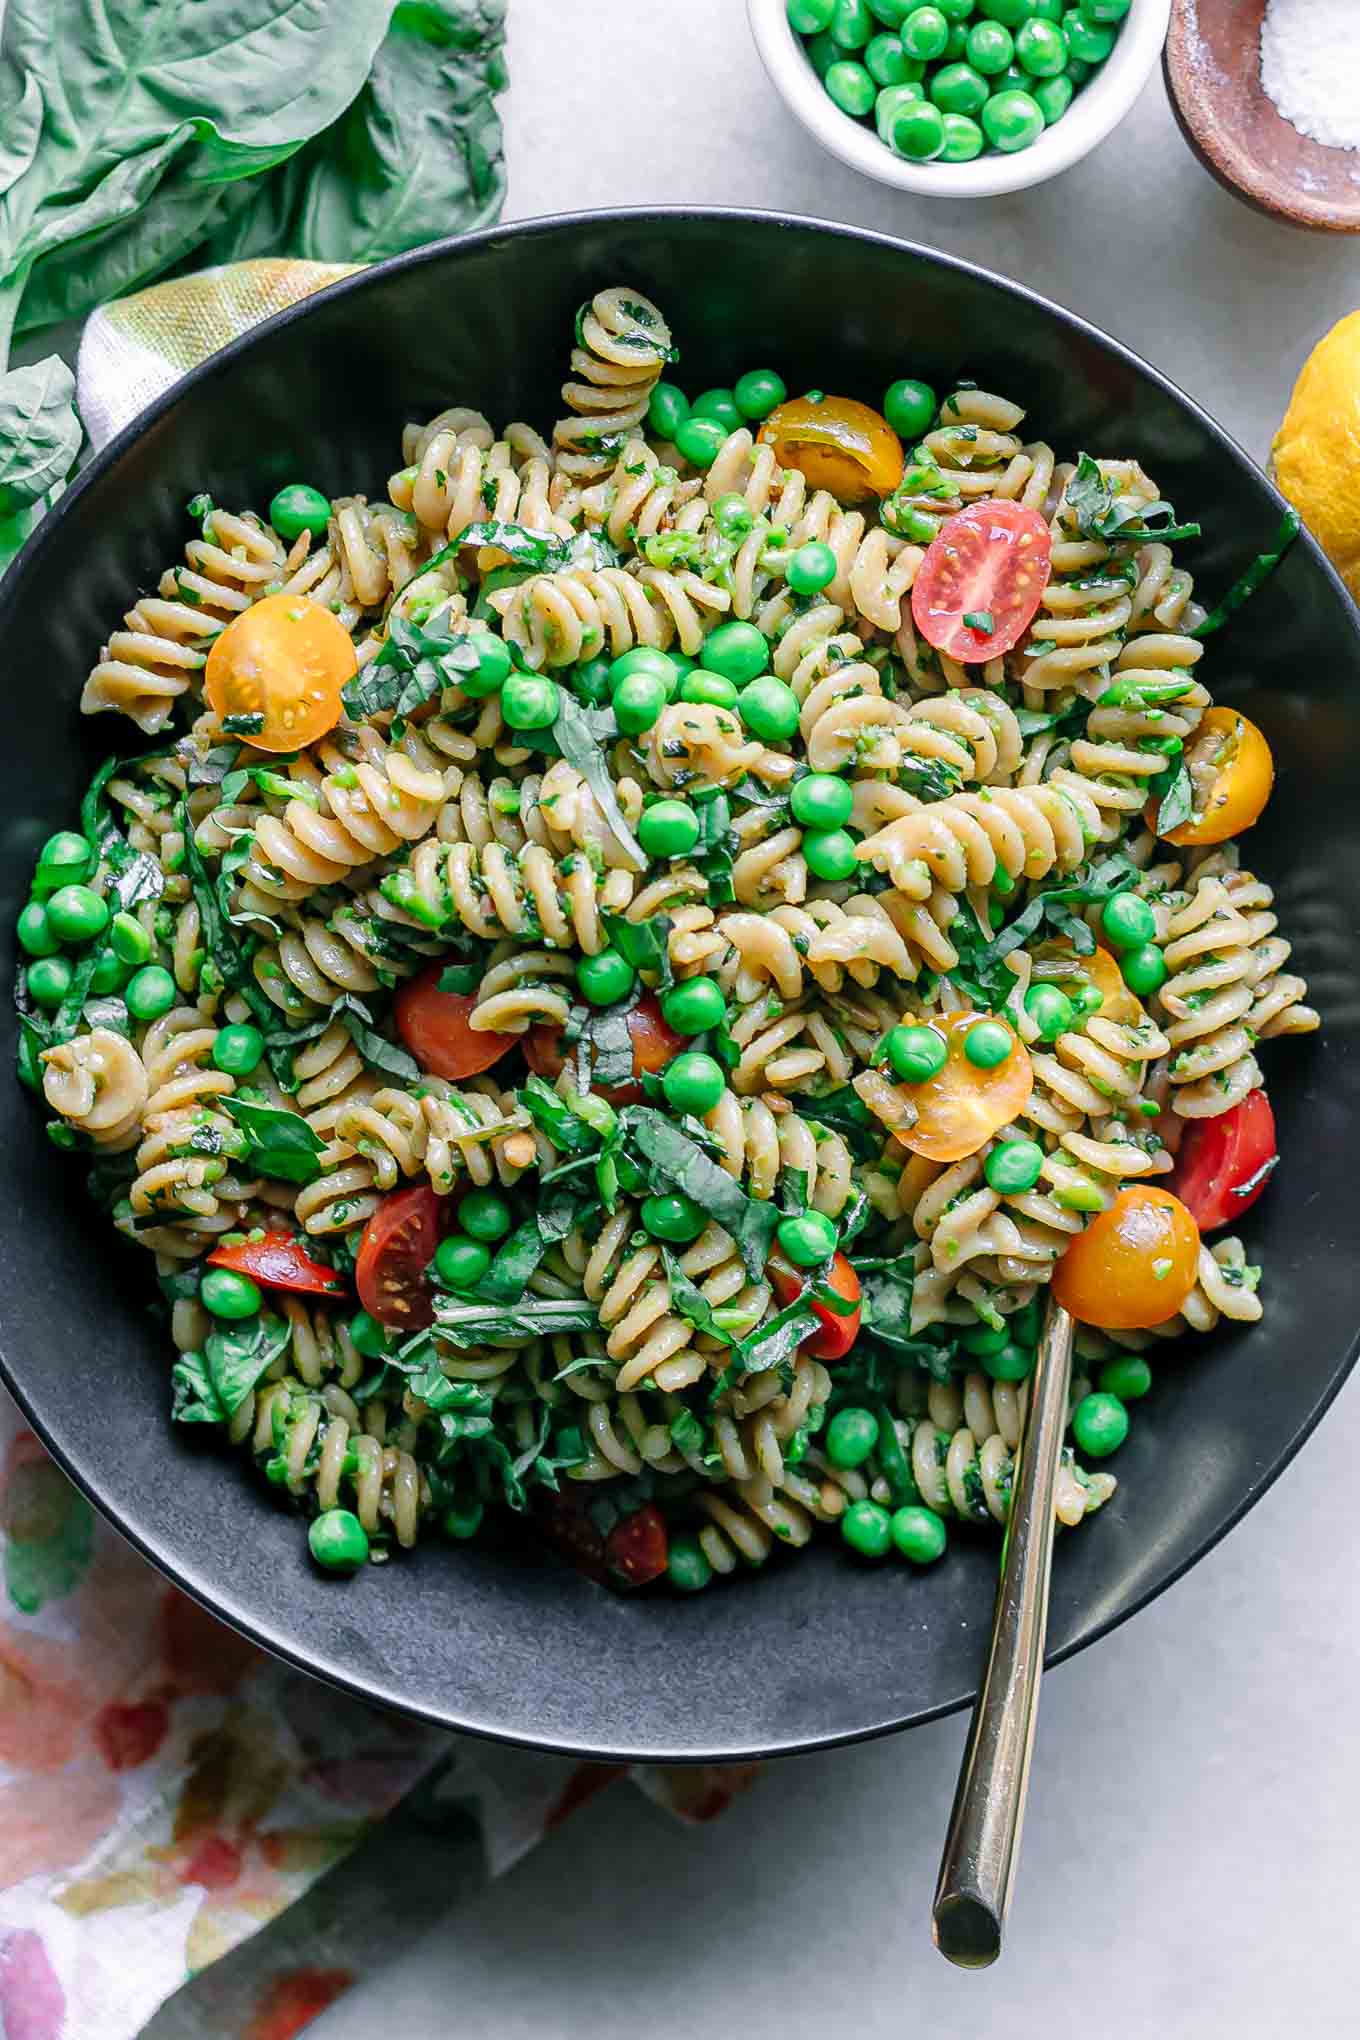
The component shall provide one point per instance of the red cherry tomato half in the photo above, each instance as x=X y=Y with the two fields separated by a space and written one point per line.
x=654 y=1045
x=989 y=562
x=637 y=1548
x=838 y=1332
x=280 y=1262
x=563 y=1521
x=1225 y=1163
x=397 y=1247
x=434 y=1026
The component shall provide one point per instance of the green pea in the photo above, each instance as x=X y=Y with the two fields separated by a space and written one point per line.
x=736 y=652
x=700 y=440
x=1086 y=998
x=810 y=17
x=1100 y=1424
x=646 y=659
x=129 y=940
x=1040 y=49
x=35 y=936
x=850 y=87
x=675 y=1219
x=1089 y=41
x=916 y=1053
x=337 y=1540
x=963 y=139
x=1053 y=96
x=812 y=568
x=719 y=404
x=150 y=993
x=1009 y=12
x=670 y=828
x=367 y=1336
x=485 y=1215
x=1050 y=1010
x=987 y=1044
x=759 y=392
x=694 y=1006
x=688 y=1571
x=462 y=1521
x=76 y=913
x=892 y=13
x=1012 y=1363
x=924 y=33
x=460 y=1262
x=852 y=25
x=867 y=1529
x=710 y=687
x=959 y=10
x=1014 y=1166
x=1012 y=120
x=892 y=101
x=238 y=1049
x=851 y=1436
x=917 y=131
x=1143 y=969
x=1106 y=11
x=529 y=702
x=667 y=410
x=493 y=668
x=1129 y=1377
x=694 y=1082
x=1127 y=921
x=887 y=62
x=733 y=516
x=1047 y=10
x=63 y=858
x=299 y=508
x=225 y=1294
x=990 y=48
x=980 y=1340
x=1078 y=72
x=638 y=701
x=807 y=1240
x=769 y=710
x=108 y=975
x=830 y=854
x=956 y=44
x=821 y=800
x=919 y=1534
x=48 y=981
x=823 y=52
x=909 y=406
x=604 y=979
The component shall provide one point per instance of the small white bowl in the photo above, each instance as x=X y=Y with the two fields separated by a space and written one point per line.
x=1095 y=111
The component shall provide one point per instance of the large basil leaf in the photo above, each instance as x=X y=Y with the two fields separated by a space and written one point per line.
x=209 y=1387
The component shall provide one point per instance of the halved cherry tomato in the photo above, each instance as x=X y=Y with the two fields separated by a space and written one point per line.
x=962 y=1106
x=285 y=659
x=281 y=1262
x=837 y=444
x=436 y=1028
x=637 y=1548
x=397 y=1247
x=838 y=1334
x=1134 y=1265
x=1232 y=772
x=654 y=1045
x=1225 y=1163
x=990 y=562
x=563 y=1520
x=1059 y=963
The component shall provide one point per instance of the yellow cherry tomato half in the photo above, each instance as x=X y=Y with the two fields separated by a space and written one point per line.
x=284 y=659
x=1134 y=1265
x=966 y=1101
x=1232 y=772
x=1057 y=963
x=837 y=444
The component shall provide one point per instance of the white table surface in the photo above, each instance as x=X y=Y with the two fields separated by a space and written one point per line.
x=1188 y=1868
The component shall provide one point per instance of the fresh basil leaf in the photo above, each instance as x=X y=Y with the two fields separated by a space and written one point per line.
x=542 y=552
x=376 y=1050
x=687 y=1433
x=676 y=1163
x=462 y=978
x=644 y=944
x=577 y=732
x=464 y=1325
x=69 y=1018
x=610 y=1042
x=231 y=959
x=1261 y=568
x=282 y=1144
x=844 y=1112
x=717 y=847
x=690 y=1301
x=770 y=1345
x=564 y=1127
x=209 y=1387
x=415 y=665
x=1177 y=798
x=981 y=620
x=516 y=1259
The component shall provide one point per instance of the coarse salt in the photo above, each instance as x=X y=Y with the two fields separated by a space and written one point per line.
x=1310 y=67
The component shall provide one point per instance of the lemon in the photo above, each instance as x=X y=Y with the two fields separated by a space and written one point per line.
x=1316 y=455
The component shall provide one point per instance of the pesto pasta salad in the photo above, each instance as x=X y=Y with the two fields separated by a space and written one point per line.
x=622 y=969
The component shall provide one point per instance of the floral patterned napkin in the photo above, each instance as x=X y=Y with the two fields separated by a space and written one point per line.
x=196 y=1842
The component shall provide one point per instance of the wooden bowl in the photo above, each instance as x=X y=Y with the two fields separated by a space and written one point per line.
x=1213 y=74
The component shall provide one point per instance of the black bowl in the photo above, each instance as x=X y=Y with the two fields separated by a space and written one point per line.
x=818 y=1650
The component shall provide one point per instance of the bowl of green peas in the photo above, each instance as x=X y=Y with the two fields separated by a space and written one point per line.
x=962 y=98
